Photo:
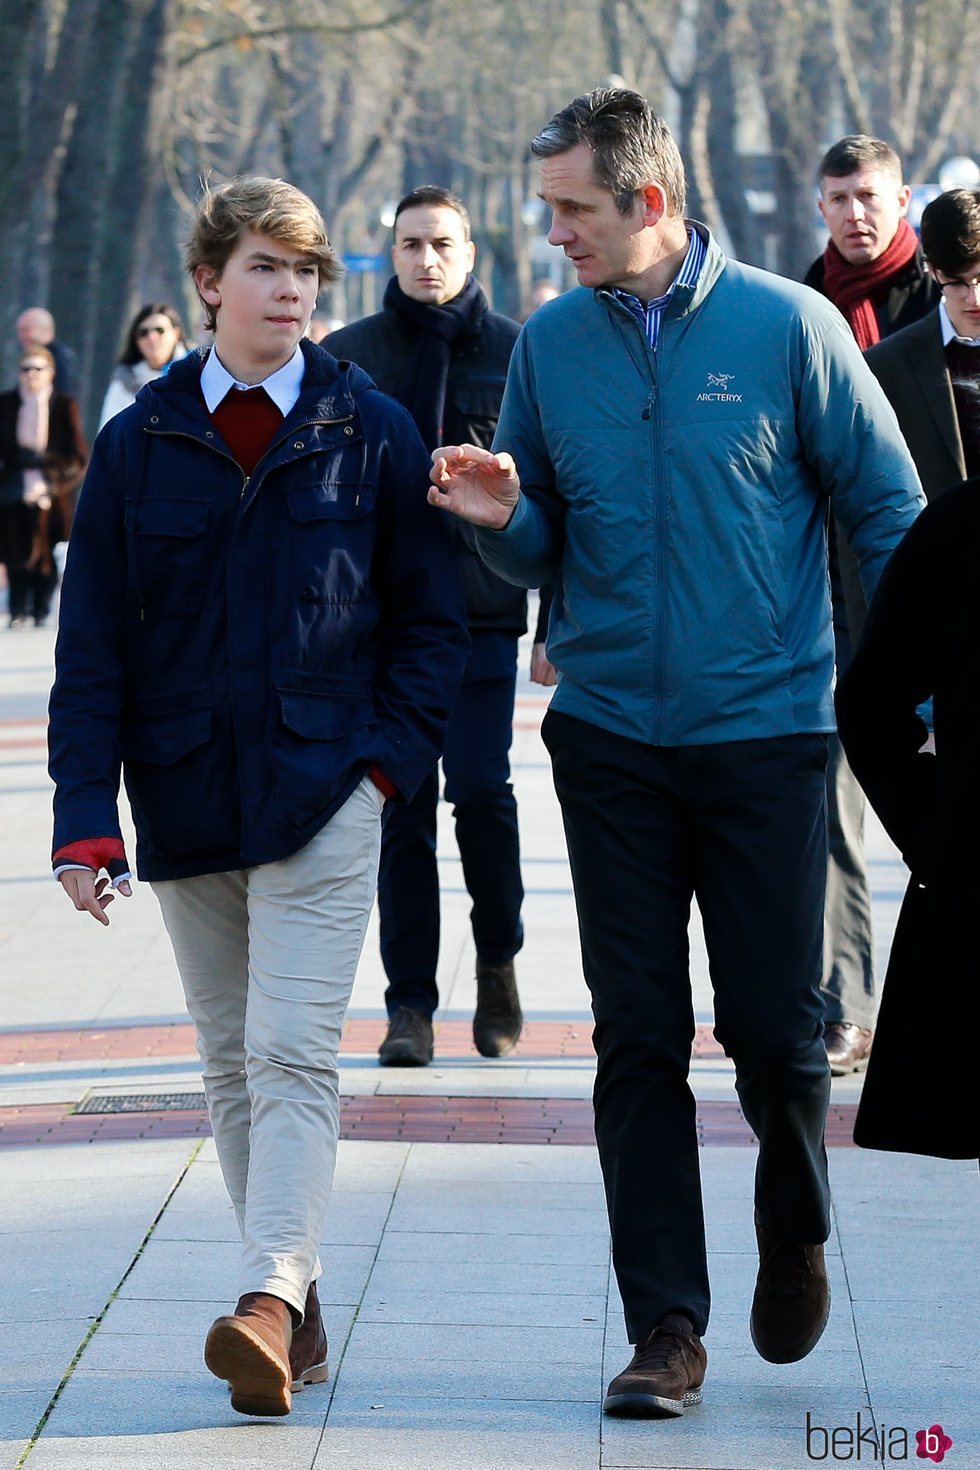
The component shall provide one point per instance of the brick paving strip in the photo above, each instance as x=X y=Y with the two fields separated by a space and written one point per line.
x=540 y=1040
x=416 y=1119
x=422 y=1119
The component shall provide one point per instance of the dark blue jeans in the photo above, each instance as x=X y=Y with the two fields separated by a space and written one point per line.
x=476 y=766
x=741 y=826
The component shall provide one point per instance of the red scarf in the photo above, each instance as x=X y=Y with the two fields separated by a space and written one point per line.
x=854 y=289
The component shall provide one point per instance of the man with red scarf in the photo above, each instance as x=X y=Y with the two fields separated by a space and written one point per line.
x=874 y=273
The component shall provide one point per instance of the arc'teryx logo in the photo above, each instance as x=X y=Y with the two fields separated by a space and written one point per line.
x=717 y=390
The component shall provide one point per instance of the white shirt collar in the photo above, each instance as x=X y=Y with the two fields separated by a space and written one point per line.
x=282 y=386
x=950 y=333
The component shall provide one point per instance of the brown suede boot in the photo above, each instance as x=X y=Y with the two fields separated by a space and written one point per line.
x=498 y=1020
x=791 y=1304
x=308 y=1353
x=251 y=1350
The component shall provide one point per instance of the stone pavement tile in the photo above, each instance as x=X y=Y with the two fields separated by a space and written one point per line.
x=440 y=1276
x=466 y=1377
x=416 y=1433
x=113 y=1201
x=529 y=1164
x=354 y=1217
x=921 y=1353
x=183 y=1270
x=161 y=1158
x=171 y=1422
x=503 y=1195
x=422 y=1343
x=506 y=1309
x=493 y=1248
x=457 y=1216
x=739 y=1426
x=21 y=1410
x=49 y=1276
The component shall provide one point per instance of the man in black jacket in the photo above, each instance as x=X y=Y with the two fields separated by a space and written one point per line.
x=438 y=349
x=872 y=270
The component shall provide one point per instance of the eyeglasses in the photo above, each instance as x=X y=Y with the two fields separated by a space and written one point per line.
x=959 y=287
x=35 y=367
x=150 y=331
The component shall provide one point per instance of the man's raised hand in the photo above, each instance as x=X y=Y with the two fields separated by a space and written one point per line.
x=472 y=483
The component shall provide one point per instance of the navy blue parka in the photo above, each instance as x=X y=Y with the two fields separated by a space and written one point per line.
x=245 y=648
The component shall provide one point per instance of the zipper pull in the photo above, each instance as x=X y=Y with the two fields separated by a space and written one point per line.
x=648 y=409
x=245 y=485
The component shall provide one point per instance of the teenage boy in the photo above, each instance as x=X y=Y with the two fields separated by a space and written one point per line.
x=263 y=628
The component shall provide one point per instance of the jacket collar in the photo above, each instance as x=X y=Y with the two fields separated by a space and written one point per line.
x=328 y=391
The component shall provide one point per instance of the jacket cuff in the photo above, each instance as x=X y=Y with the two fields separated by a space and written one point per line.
x=387 y=788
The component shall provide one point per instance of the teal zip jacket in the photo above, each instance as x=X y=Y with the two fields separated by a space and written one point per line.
x=682 y=499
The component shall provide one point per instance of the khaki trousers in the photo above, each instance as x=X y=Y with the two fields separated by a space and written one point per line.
x=267 y=957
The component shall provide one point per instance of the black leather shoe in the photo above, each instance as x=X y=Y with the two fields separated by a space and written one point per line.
x=498 y=1020
x=408 y=1040
x=848 y=1047
x=792 y=1298
x=664 y=1377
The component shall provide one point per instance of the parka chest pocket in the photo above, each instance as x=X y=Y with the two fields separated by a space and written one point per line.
x=169 y=548
x=330 y=500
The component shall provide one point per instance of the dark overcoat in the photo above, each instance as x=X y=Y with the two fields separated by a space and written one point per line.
x=922 y=639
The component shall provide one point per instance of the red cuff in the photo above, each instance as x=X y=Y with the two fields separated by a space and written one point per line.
x=95 y=853
x=386 y=787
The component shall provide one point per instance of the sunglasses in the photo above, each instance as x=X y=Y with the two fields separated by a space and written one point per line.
x=151 y=331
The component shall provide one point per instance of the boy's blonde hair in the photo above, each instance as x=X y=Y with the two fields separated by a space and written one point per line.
x=269 y=207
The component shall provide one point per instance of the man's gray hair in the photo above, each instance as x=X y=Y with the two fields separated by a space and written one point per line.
x=631 y=145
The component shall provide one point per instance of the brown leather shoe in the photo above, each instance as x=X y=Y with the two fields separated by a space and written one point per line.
x=308 y=1350
x=791 y=1304
x=498 y=1021
x=848 y=1047
x=251 y=1350
x=664 y=1377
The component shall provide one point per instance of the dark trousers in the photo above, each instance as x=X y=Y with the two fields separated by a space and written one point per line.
x=30 y=592
x=476 y=766
x=740 y=826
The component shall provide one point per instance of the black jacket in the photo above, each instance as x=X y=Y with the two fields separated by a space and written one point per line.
x=384 y=345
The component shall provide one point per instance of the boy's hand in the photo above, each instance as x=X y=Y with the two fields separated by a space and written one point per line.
x=88 y=892
x=472 y=483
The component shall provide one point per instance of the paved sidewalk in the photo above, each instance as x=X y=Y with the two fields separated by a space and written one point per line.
x=473 y=1319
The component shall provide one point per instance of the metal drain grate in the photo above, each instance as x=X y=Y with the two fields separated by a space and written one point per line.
x=143 y=1102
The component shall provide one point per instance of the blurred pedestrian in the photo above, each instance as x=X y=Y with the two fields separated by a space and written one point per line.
x=930 y=370
x=439 y=349
x=35 y=328
x=321 y=326
x=873 y=270
x=920 y=642
x=154 y=339
x=42 y=459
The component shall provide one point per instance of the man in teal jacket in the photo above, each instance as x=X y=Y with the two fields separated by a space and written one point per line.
x=681 y=428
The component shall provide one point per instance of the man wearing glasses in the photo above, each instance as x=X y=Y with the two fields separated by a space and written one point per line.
x=931 y=370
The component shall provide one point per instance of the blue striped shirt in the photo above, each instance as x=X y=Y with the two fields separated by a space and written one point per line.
x=649 y=314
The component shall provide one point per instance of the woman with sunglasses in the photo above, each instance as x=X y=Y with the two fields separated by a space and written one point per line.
x=154 y=340
x=42 y=460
